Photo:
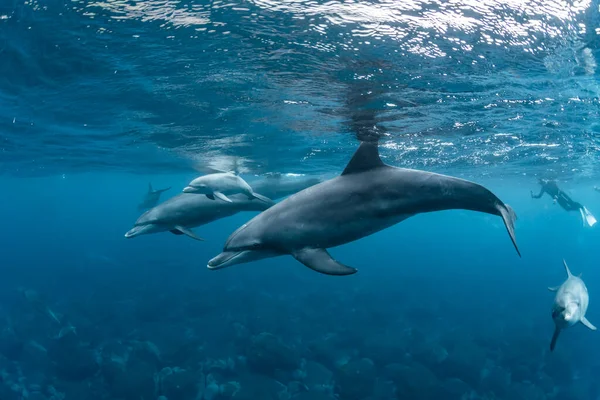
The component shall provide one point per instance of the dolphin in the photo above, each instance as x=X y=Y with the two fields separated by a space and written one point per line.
x=220 y=185
x=368 y=197
x=187 y=210
x=38 y=303
x=151 y=198
x=570 y=305
x=277 y=186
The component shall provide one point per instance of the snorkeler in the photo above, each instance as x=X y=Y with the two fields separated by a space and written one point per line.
x=560 y=197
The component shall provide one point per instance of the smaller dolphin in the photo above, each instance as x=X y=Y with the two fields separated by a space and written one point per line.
x=35 y=299
x=220 y=185
x=151 y=198
x=570 y=304
x=181 y=213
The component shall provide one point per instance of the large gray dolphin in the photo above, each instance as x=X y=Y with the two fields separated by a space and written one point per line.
x=151 y=198
x=570 y=305
x=369 y=196
x=181 y=213
x=277 y=186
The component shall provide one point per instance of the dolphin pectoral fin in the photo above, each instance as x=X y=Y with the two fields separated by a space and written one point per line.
x=176 y=232
x=587 y=323
x=509 y=216
x=222 y=197
x=262 y=198
x=554 y=338
x=553 y=289
x=187 y=231
x=210 y=196
x=319 y=260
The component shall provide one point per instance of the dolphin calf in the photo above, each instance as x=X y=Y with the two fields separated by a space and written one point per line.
x=570 y=305
x=277 y=186
x=220 y=185
x=181 y=213
x=151 y=198
x=368 y=197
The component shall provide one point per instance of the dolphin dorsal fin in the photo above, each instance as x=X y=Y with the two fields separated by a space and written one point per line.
x=365 y=158
x=150 y=187
x=569 y=274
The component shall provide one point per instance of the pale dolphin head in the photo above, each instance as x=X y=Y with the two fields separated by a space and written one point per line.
x=197 y=186
x=243 y=246
x=567 y=315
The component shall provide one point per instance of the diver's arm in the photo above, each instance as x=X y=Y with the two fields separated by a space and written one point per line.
x=533 y=196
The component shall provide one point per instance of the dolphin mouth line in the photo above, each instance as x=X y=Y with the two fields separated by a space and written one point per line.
x=218 y=261
x=130 y=234
x=189 y=189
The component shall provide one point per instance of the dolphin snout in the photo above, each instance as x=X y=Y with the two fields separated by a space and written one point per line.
x=136 y=231
x=223 y=260
x=131 y=233
x=189 y=189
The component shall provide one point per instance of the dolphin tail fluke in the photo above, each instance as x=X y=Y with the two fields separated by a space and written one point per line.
x=319 y=260
x=587 y=217
x=554 y=338
x=509 y=217
x=587 y=323
x=163 y=190
x=262 y=198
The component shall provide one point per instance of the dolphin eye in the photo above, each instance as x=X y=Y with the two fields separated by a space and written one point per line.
x=255 y=245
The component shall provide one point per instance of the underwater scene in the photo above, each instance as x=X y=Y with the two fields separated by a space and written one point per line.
x=299 y=200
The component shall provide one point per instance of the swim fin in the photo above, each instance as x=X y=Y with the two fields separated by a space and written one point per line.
x=587 y=217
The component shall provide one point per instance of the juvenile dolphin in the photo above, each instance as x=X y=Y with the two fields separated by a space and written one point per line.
x=181 y=213
x=277 y=186
x=369 y=196
x=220 y=185
x=151 y=198
x=570 y=305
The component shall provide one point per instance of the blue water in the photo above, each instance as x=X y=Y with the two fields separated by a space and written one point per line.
x=98 y=98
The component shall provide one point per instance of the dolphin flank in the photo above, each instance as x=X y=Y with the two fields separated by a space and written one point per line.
x=368 y=197
x=277 y=186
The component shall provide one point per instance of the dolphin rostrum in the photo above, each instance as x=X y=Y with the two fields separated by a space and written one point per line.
x=181 y=213
x=368 y=197
x=570 y=305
